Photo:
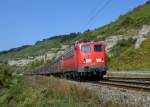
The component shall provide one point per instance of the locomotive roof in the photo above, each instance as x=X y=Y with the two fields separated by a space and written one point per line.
x=82 y=42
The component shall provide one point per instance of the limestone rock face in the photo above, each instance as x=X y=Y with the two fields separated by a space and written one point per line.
x=53 y=53
x=21 y=62
x=140 y=36
x=50 y=55
x=113 y=40
x=143 y=33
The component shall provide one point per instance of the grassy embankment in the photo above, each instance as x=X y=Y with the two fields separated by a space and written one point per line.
x=52 y=92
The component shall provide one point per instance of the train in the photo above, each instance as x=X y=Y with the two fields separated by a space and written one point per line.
x=83 y=60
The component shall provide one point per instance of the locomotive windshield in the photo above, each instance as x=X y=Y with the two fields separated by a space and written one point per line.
x=98 y=48
x=86 y=48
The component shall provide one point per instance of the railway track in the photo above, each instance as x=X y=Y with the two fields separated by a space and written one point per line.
x=139 y=84
x=126 y=78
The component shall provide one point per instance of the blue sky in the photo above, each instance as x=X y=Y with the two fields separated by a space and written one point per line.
x=27 y=21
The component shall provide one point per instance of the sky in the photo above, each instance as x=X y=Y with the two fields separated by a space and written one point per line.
x=23 y=22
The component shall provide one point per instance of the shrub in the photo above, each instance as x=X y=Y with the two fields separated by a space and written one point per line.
x=5 y=74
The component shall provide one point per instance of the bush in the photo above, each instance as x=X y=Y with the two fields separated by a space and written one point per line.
x=5 y=74
x=121 y=46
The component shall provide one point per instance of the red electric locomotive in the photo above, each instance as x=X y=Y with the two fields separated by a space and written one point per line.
x=85 y=59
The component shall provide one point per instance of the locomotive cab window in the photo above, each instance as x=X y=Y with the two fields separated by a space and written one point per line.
x=86 y=48
x=98 y=48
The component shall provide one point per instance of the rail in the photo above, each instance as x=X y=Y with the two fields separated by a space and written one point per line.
x=139 y=84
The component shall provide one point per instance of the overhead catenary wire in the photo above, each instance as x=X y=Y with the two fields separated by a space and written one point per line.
x=96 y=7
x=97 y=12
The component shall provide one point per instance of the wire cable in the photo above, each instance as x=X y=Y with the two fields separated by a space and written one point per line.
x=98 y=12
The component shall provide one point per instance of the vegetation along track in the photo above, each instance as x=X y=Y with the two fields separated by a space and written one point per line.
x=140 y=84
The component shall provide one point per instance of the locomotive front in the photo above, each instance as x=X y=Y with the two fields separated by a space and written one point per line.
x=91 y=59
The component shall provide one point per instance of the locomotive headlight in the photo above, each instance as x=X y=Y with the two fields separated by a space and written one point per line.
x=99 y=60
x=87 y=60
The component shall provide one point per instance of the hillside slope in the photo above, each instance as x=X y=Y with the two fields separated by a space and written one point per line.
x=126 y=26
x=39 y=48
x=131 y=58
x=132 y=20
